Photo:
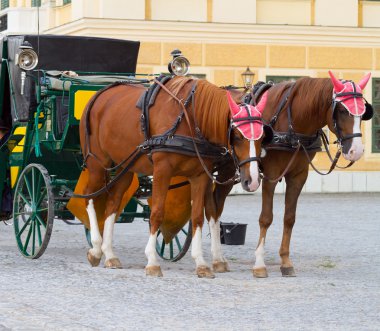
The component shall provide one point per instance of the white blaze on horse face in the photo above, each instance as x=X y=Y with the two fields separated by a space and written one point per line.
x=150 y=251
x=196 y=248
x=107 y=237
x=253 y=169
x=259 y=253
x=216 y=247
x=357 y=149
x=96 y=238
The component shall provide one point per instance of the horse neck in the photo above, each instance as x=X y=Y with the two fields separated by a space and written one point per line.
x=212 y=112
x=311 y=103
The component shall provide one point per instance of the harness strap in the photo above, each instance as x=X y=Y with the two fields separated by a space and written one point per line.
x=136 y=155
x=286 y=169
x=229 y=181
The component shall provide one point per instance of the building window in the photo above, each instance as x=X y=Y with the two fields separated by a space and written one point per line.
x=4 y=4
x=4 y=22
x=376 y=116
x=279 y=79
x=66 y=2
x=36 y=3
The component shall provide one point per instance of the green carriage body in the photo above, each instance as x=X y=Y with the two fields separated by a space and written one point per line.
x=42 y=148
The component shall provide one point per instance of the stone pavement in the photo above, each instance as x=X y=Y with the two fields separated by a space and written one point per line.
x=335 y=250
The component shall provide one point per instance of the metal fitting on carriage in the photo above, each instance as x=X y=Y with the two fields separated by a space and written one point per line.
x=26 y=60
x=180 y=65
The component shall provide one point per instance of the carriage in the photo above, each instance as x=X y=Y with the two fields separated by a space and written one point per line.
x=45 y=83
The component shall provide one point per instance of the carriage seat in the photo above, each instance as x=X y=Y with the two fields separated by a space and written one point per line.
x=59 y=81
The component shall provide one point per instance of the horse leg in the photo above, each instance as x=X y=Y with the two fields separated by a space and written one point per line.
x=265 y=220
x=214 y=203
x=199 y=187
x=112 y=208
x=95 y=181
x=94 y=254
x=161 y=184
x=294 y=185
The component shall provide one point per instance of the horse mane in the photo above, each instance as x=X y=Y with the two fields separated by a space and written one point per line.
x=314 y=98
x=211 y=108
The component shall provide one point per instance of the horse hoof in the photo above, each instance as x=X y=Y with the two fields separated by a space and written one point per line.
x=205 y=272
x=94 y=261
x=113 y=263
x=288 y=272
x=220 y=267
x=260 y=273
x=154 y=270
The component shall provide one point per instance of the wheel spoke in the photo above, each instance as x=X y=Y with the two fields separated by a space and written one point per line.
x=33 y=185
x=39 y=233
x=178 y=243
x=184 y=231
x=23 y=228
x=28 y=187
x=38 y=187
x=171 y=249
x=42 y=209
x=33 y=236
x=27 y=239
x=25 y=199
x=162 y=247
x=40 y=220
x=41 y=197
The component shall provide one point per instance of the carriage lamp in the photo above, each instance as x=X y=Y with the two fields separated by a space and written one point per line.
x=180 y=65
x=27 y=60
x=247 y=76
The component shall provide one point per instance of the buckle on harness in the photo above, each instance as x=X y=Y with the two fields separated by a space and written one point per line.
x=225 y=151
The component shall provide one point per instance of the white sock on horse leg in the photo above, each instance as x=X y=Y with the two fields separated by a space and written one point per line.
x=107 y=237
x=216 y=246
x=96 y=238
x=150 y=251
x=196 y=248
x=259 y=253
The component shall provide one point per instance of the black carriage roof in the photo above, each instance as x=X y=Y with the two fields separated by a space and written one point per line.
x=79 y=53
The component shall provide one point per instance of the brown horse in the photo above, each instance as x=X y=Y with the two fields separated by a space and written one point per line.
x=297 y=112
x=185 y=112
x=312 y=104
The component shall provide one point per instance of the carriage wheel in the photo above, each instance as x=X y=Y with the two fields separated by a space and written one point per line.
x=178 y=247
x=33 y=211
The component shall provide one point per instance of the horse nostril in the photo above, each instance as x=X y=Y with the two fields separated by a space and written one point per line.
x=247 y=182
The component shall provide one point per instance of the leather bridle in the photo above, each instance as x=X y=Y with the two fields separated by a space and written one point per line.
x=346 y=96
x=235 y=123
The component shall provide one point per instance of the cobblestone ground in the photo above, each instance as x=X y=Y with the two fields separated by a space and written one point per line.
x=335 y=250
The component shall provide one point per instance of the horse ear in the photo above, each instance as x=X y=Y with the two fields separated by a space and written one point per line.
x=263 y=101
x=362 y=84
x=338 y=85
x=233 y=106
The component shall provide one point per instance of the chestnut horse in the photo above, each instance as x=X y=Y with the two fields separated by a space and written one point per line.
x=297 y=112
x=186 y=112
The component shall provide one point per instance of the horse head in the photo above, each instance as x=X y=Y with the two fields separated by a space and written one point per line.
x=349 y=108
x=247 y=133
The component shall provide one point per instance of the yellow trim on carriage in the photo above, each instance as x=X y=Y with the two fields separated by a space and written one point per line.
x=81 y=99
x=18 y=149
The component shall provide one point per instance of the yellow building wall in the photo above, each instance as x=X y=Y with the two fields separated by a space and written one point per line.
x=273 y=37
